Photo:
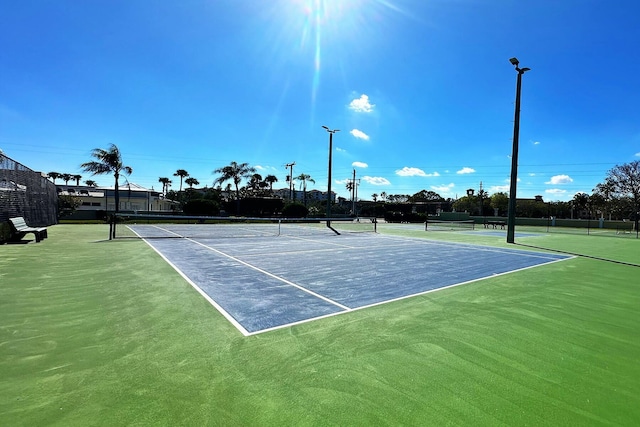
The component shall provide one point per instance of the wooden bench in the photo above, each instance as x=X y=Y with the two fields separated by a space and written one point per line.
x=495 y=224
x=20 y=229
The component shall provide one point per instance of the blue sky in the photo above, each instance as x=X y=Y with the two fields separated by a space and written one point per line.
x=421 y=90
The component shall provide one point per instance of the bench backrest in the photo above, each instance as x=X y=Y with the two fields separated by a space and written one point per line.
x=19 y=223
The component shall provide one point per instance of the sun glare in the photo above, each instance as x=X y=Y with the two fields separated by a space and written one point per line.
x=318 y=40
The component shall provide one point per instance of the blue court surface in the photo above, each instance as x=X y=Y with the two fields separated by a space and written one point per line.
x=264 y=283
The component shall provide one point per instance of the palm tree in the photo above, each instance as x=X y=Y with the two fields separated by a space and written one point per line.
x=54 y=176
x=374 y=196
x=166 y=183
x=270 y=179
x=191 y=182
x=234 y=172
x=182 y=174
x=108 y=161
x=383 y=196
x=255 y=183
x=350 y=188
x=66 y=177
x=77 y=178
x=91 y=183
x=304 y=178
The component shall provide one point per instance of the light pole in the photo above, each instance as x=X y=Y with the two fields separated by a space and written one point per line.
x=331 y=132
x=511 y=223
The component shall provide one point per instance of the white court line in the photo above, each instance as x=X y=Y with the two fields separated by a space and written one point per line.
x=281 y=279
x=398 y=239
x=403 y=297
x=217 y=306
x=524 y=252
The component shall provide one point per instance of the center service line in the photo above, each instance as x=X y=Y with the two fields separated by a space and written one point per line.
x=344 y=307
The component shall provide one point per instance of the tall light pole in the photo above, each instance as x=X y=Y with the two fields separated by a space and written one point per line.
x=331 y=132
x=511 y=222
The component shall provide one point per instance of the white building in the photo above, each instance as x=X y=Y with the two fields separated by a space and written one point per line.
x=132 y=198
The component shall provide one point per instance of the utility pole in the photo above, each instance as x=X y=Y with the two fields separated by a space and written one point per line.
x=290 y=179
x=353 y=193
x=356 y=184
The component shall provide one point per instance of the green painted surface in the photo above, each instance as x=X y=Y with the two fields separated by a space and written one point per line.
x=96 y=332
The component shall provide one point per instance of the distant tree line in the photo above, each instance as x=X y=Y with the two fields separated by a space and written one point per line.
x=618 y=197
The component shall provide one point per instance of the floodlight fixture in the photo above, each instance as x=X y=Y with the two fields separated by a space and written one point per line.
x=514 y=61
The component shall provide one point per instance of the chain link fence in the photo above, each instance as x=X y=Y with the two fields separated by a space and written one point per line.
x=25 y=193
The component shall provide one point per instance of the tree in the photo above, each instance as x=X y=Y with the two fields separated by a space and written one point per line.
x=108 y=161
x=581 y=202
x=383 y=196
x=304 y=178
x=426 y=196
x=374 y=196
x=77 y=178
x=499 y=202
x=182 y=174
x=68 y=204
x=350 y=186
x=270 y=179
x=482 y=196
x=166 y=183
x=465 y=204
x=625 y=181
x=91 y=183
x=54 y=176
x=606 y=192
x=66 y=177
x=256 y=184
x=234 y=172
x=191 y=182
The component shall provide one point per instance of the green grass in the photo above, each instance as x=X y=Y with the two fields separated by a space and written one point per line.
x=96 y=332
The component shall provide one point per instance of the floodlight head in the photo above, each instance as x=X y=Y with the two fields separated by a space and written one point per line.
x=523 y=70
x=514 y=61
x=325 y=127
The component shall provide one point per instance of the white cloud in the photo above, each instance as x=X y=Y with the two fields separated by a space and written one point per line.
x=359 y=134
x=443 y=188
x=265 y=168
x=376 y=180
x=638 y=154
x=465 y=170
x=532 y=174
x=359 y=165
x=536 y=142
x=340 y=150
x=499 y=189
x=341 y=181
x=555 y=191
x=407 y=171
x=560 y=179
x=361 y=105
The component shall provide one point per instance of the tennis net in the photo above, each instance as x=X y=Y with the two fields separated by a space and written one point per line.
x=440 y=225
x=182 y=226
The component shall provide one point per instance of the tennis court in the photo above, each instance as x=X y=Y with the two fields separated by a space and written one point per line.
x=264 y=283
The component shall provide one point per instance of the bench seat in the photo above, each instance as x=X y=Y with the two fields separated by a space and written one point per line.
x=21 y=228
x=495 y=224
